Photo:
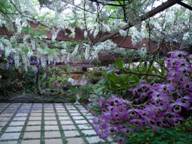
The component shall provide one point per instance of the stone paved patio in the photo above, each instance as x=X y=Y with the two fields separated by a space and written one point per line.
x=36 y=123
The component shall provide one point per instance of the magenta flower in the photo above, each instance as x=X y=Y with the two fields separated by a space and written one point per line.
x=154 y=105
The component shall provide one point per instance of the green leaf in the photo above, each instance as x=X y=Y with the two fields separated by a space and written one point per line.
x=119 y=63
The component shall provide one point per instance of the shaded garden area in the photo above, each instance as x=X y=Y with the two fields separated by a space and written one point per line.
x=103 y=71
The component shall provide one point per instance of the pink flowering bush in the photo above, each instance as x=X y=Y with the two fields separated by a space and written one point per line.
x=162 y=105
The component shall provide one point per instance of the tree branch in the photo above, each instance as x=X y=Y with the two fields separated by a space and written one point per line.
x=185 y=5
x=149 y=14
x=105 y=3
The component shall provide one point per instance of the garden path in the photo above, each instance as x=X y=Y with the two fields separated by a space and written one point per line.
x=46 y=123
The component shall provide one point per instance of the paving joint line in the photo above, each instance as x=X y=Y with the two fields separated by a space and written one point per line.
x=107 y=142
x=25 y=125
x=42 y=137
x=10 y=120
x=81 y=134
x=63 y=137
x=5 y=108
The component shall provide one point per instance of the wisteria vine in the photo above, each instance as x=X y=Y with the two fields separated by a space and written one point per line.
x=156 y=105
x=36 y=62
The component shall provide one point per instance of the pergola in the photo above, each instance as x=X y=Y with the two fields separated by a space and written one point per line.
x=124 y=42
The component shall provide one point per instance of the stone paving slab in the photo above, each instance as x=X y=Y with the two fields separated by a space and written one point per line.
x=46 y=123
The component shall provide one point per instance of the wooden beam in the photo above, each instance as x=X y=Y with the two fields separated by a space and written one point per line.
x=149 y=14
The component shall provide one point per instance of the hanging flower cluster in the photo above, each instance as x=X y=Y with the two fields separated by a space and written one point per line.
x=13 y=59
x=154 y=105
